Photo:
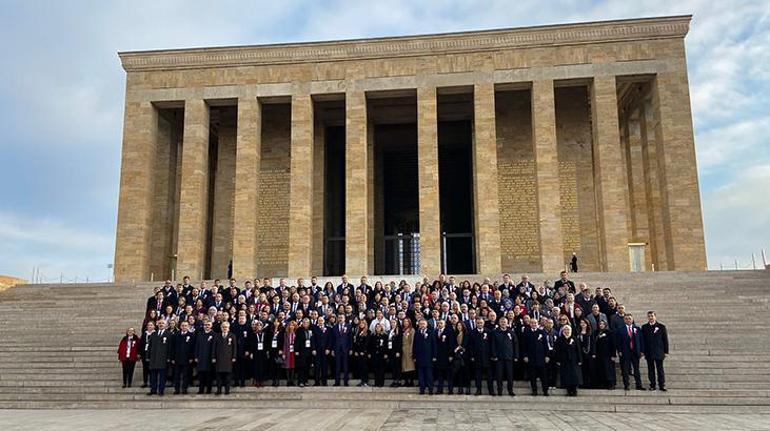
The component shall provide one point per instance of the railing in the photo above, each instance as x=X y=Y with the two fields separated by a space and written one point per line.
x=402 y=253
x=459 y=240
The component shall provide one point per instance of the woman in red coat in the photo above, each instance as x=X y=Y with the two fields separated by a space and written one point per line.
x=128 y=350
x=289 y=348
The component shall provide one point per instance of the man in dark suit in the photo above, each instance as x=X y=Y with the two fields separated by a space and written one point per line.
x=241 y=329
x=204 y=347
x=655 y=339
x=346 y=285
x=321 y=349
x=445 y=351
x=424 y=355
x=342 y=344
x=479 y=342
x=159 y=348
x=181 y=357
x=536 y=356
x=630 y=346
x=224 y=356
x=564 y=281
x=505 y=351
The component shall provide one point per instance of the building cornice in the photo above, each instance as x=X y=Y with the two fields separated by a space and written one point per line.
x=408 y=46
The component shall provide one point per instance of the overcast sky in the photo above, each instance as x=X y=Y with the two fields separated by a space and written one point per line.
x=62 y=87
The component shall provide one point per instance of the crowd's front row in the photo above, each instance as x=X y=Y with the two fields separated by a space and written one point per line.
x=457 y=349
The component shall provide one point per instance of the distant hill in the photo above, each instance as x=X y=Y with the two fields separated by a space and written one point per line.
x=7 y=281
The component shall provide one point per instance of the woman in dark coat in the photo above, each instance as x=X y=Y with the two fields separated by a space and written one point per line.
x=361 y=352
x=260 y=344
x=395 y=343
x=144 y=349
x=128 y=353
x=569 y=358
x=586 y=339
x=378 y=351
x=274 y=339
x=460 y=367
x=604 y=357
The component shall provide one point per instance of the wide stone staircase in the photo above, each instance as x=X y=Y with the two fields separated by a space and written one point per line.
x=58 y=350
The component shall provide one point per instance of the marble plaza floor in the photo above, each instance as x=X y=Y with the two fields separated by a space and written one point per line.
x=292 y=419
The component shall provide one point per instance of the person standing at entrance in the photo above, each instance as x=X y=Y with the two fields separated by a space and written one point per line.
x=573 y=264
x=655 y=339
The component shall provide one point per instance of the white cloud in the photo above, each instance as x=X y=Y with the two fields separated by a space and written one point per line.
x=737 y=218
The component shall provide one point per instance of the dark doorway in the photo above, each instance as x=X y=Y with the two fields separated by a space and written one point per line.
x=334 y=201
x=455 y=143
x=396 y=151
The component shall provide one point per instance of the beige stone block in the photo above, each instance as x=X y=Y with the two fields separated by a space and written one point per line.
x=485 y=190
x=140 y=127
x=193 y=203
x=428 y=180
x=547 y=173
x=653 y=185
x=610 y=176
x=301 y=186
x=676 y=150
x=247 y=169
x=357 y=224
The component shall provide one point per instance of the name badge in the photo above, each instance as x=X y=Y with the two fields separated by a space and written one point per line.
x=260 y=346
x=291 y=348
x=164 y=340
x=390 y=345
x=381 y=343
x=275 y=344
x=244 y=334
x=307 y=344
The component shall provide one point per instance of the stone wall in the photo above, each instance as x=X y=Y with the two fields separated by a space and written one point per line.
x=519 y=225
x=576 y=178
x=273 y=210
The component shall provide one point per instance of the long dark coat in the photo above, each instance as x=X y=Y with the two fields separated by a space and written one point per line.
x=569 y=356
x=224 y=352
x=160 y=348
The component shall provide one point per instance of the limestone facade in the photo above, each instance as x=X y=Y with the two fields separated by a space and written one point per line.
x=582 y=141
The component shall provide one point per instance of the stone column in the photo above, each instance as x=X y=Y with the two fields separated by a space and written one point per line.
x=610 y=176
x=319 y=171
x=301 y=186
x=427 y=160
x=247 y=167
x=193 y=201
x=356 y=184
x=676 y=149
x=640 y=225
x=653 y=187
x=547 y=173
x=132 y=245
x=485 y=193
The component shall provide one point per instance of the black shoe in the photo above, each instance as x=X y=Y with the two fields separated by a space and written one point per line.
x=422 y=392
x=640 y=388
x=546 y=394
x=477 y=393
x=652 y=388
x=625 y=388
x=336 y=384
x=440 y=392
x=347 y=384
x=511 y=394
x=176 y=392
x=500 y=393
x=534 y=393
x=124 y=386
x=144 y=385
x=430 y=391
x=200 y=392
x=394 y=385
x=218 y=393
x=662 y=389
x=184 y=392
x=227 y=392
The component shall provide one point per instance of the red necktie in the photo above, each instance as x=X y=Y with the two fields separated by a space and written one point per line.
x=630 y=338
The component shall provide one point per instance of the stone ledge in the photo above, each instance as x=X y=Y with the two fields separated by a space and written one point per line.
x=390 y=47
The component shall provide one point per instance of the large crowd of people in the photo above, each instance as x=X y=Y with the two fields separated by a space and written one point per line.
x=442 y=336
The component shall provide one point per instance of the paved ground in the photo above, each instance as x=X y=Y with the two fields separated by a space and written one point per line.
x=291 y=419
